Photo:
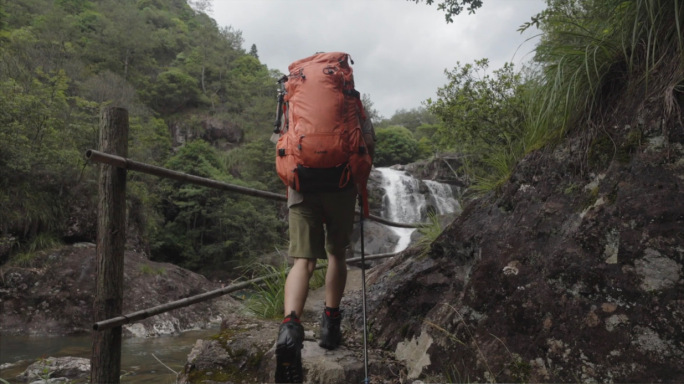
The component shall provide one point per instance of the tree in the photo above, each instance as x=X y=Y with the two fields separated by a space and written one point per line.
x=201 y=6
x=479 y=111
x=73 y=6
x=368 y=104
x=201 y=60
x=174 y=90
x=205 y=228
x=253 y=162
x=484 y=118
x=120 y=41
x=253 y=51
x=453 y=8
x=3 y=17
x=396 y=145
x=43 y=135
x=411 y=118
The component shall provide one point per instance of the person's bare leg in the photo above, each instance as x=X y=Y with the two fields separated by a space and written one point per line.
x=297 y=285
x=335 y=280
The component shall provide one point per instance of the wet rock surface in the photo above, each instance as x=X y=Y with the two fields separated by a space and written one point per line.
x=57 y=370
x=244 y=350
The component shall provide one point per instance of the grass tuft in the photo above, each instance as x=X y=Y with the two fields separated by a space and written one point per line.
x=267 y=300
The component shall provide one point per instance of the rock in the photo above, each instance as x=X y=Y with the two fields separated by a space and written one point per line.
x=571 y=272
x=414 y=354
x=244 y=351
x=208 y=355
x=443 y=168
x=7 y=242
x=657 y=271
x=340 y=366
x=378 y=238
x=224 y=134
x=319 y=365
x=221 y=133
x=236 y=354
x=64 y=287
x=57 y=370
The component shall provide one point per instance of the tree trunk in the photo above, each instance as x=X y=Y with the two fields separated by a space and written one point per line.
x=111 y=238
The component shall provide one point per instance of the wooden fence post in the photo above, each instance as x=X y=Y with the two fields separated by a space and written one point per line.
x=105 y=362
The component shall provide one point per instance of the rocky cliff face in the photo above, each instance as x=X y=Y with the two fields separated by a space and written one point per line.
x=221 y=133
x=572 y=273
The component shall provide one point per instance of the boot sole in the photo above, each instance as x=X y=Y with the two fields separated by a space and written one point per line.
x=288 y=366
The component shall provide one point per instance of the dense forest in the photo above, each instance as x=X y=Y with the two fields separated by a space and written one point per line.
x=175 y=71
x=198 y=102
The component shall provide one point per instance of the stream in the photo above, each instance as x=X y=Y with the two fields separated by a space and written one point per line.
x=137 y=366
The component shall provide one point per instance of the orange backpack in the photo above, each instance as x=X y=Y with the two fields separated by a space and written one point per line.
x=321 y=146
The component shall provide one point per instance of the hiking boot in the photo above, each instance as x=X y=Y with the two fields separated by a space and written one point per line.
x=289 y=351
x=331 y=336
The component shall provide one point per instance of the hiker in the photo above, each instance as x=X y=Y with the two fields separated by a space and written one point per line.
x=321 y=217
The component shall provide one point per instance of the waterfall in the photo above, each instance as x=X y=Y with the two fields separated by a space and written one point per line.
x=443 y=197
x=405 y=201
x=400 y=204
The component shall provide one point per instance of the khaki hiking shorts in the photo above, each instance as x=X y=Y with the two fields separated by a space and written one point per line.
x=322 y=224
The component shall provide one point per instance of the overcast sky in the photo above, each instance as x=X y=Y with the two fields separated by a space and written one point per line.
x=400 y=49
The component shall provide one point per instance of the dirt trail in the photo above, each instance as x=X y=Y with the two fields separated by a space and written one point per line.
x=316 y=300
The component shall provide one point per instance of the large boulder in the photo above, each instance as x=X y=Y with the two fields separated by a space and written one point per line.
x=221 y=133
x=444 y=168
x=563 y=276
x=57 y=370
x=378 y=238
x=56 y=298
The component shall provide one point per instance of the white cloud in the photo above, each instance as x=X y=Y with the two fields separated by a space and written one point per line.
x=400 y=48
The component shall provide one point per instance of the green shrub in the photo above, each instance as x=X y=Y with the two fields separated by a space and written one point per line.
x=395 y=145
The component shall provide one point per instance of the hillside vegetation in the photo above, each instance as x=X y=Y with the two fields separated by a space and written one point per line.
x=182 y=78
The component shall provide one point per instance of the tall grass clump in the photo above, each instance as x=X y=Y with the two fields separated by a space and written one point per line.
x=29 y=252
x=429 y=233
x=268 y=295
x=267 y=299
x=592 y=50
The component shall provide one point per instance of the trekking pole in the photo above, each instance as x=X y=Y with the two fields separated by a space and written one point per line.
x=363 y=300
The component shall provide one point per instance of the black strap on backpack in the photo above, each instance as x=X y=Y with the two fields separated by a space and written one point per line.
x=281 y=102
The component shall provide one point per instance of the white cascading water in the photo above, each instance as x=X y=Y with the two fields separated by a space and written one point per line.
x=443 y=197
x=403 y=203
